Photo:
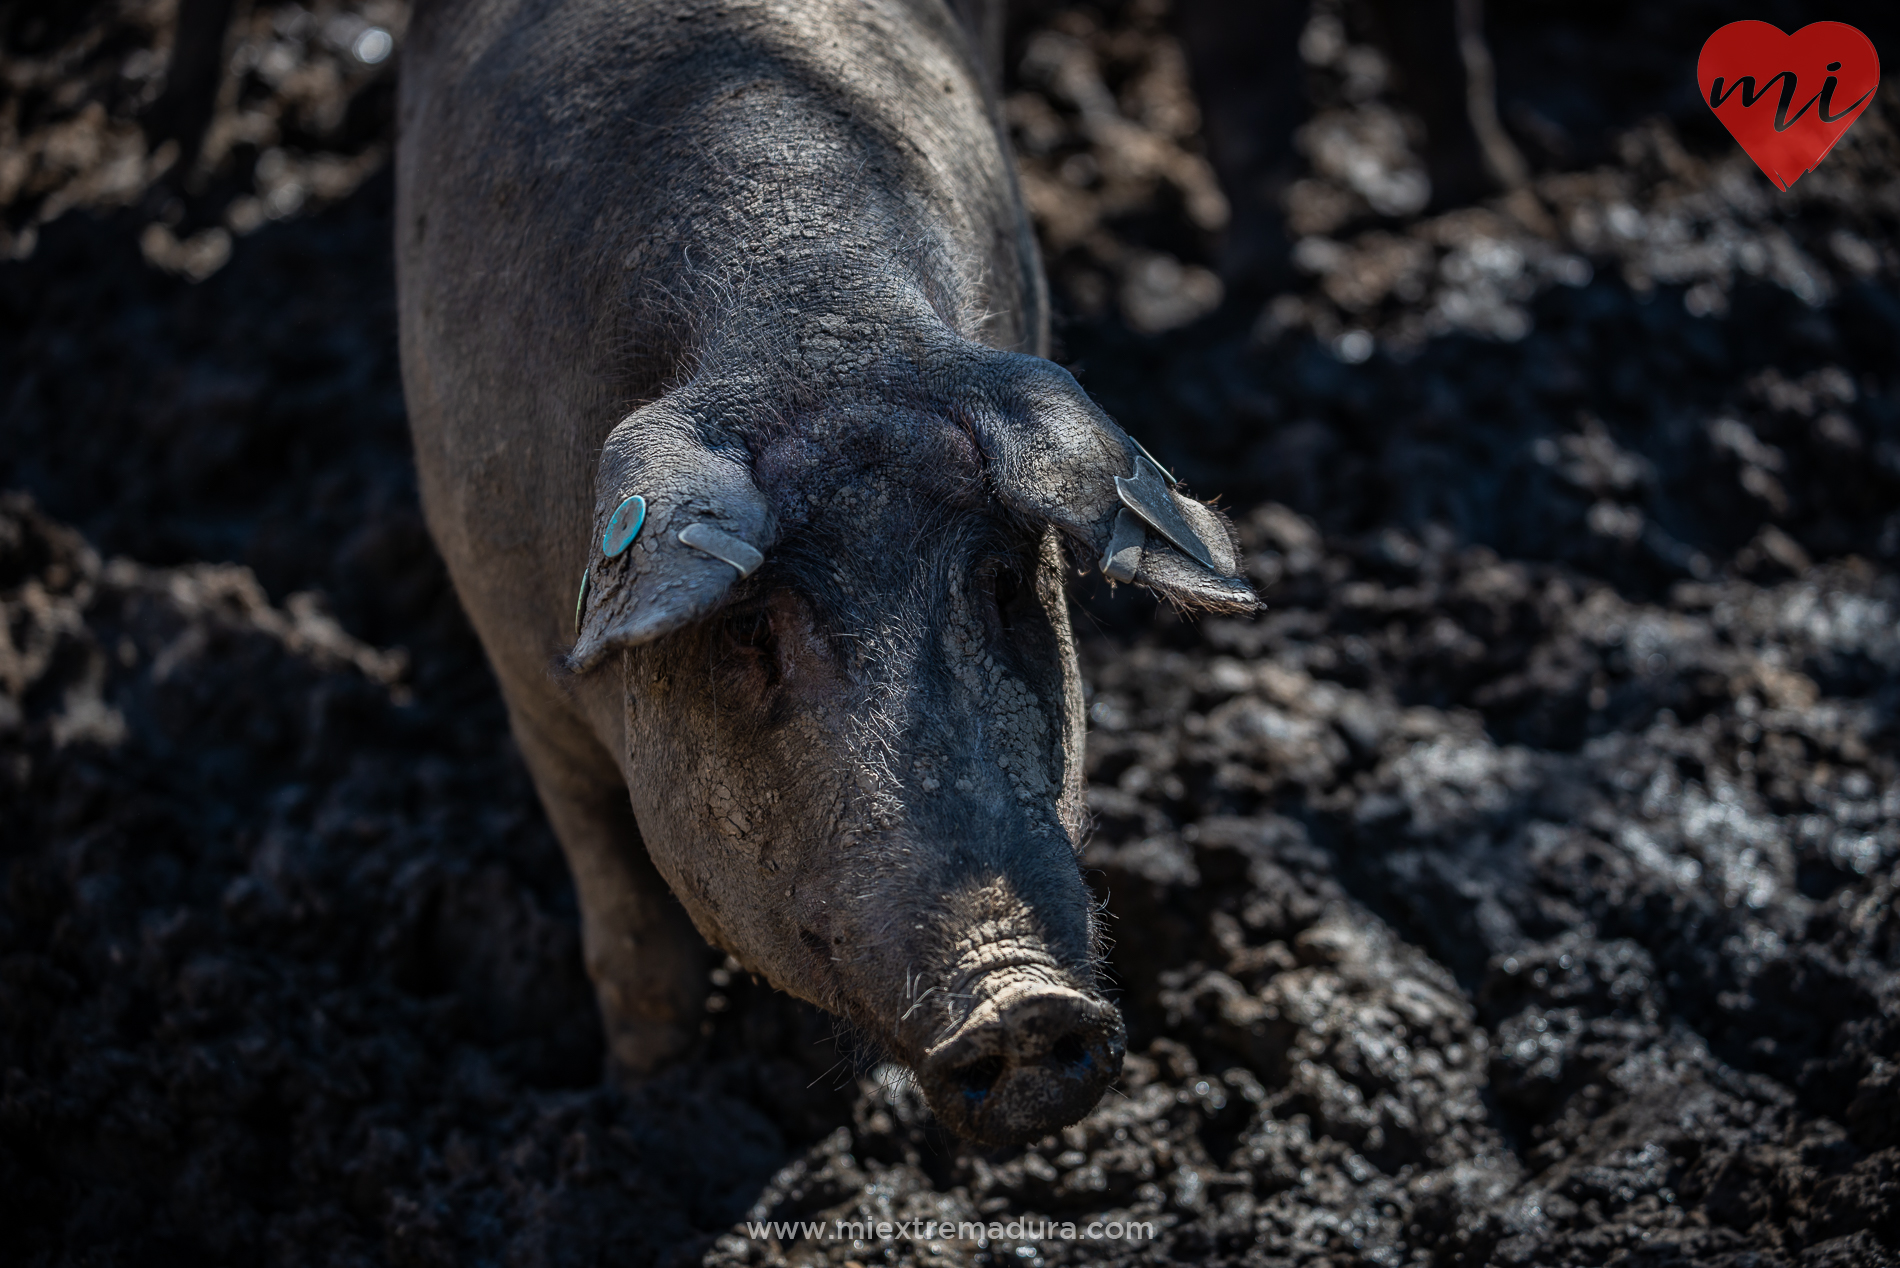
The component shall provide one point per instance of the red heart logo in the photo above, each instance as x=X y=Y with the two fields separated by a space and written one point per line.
x=1788 y=98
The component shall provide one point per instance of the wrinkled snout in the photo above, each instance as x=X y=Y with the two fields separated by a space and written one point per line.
x=1027 y=1060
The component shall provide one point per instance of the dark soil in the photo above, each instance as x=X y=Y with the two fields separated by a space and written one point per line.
x=1519 y=889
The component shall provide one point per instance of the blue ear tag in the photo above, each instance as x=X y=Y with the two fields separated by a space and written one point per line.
x=624 y=526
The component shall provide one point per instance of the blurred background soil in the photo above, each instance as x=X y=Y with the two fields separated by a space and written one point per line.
x=1518 y=889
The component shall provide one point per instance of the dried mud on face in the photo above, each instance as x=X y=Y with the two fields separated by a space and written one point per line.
x=1518 y=889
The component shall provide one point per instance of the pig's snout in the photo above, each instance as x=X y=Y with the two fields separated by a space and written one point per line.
x=1024 y=1063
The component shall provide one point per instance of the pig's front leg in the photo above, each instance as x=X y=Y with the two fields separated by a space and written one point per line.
x=647 y=962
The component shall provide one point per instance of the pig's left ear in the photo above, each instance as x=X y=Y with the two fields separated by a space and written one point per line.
x=1052 y=454
x=676 y=523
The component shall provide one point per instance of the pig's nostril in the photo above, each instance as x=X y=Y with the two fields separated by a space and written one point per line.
x=1071 y=1052
x=977 y=1078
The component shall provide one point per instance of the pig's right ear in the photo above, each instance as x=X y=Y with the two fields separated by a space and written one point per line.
x=1051 y=453
x=676 y=523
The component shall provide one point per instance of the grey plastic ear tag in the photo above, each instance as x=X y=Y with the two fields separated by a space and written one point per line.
x=624 y=526
x=1122 y=560
x=1158 y=467
x=1148 y=496
x=723 y=546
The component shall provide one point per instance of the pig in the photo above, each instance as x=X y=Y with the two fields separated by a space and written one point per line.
x=723 y=333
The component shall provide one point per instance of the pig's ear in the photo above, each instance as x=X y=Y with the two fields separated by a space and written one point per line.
x=1052 y=454
x=676 y=523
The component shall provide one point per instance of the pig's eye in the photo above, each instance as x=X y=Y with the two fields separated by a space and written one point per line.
x=750 y=641
x=1001 y=585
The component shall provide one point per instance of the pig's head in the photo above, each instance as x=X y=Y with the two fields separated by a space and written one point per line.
x=854 y=721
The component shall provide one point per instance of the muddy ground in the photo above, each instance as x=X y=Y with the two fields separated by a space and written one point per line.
x=1518 y=889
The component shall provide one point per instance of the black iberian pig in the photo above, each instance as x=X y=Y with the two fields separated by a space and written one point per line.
x=726 y=315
